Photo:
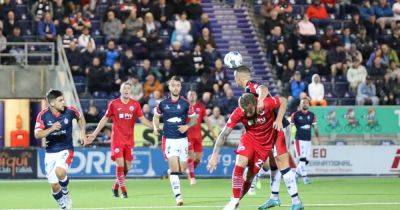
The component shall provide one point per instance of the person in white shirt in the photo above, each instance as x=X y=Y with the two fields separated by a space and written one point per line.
x=316 y=91
x=85 y=38
x=182 y=30
x=306 y=27
x=356 y=75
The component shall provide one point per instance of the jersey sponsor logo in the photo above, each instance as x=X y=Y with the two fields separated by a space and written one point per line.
x=131 y=108
x=125 y=116
x=261 y=120
x=306 y=127
x=59 y=133
x=174 y=120
x=119 y=109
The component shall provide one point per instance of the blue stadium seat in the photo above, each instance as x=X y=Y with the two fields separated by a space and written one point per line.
x=100 y=103
x=347 y=101
x=79 y=79
x=100 y=95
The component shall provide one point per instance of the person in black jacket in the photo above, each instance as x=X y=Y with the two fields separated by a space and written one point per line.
x=17 y=50
x=96 y=76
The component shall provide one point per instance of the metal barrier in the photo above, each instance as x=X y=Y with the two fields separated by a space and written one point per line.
x=28 y=51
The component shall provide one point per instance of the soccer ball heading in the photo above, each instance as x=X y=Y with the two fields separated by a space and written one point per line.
x=233 y=60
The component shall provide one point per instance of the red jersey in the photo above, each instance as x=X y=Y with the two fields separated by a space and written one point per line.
x=194 y=132
x=123 y=117
x=251 y=87
x=260 y=127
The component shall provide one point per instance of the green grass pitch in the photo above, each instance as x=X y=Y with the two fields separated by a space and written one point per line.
x=323 y=193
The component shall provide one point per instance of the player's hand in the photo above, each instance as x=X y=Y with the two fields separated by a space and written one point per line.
x=212 y=163
x=56 y=126
x=89 y=139
x=278 y=125
x=156 y=132
x=183 y=128
x=260 y=106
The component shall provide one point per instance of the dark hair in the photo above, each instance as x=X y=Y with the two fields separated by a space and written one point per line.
x=243 y=69
x=247 y=100
x=53 y=95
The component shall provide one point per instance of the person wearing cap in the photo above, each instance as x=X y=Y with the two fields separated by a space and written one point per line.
x=366 y=92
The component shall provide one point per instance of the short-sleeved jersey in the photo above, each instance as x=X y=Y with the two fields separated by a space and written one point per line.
x=303 y=121
x=194 y=132
x=62 y=139
x=260 y=127
x=251 y=87
x=124 y=117
x=174 y=114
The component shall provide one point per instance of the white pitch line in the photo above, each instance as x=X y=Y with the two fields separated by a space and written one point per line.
x=202 y=207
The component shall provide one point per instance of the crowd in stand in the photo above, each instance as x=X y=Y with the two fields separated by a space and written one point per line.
x=320 y=43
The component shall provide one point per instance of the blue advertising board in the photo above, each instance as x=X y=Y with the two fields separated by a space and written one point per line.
x=148 y=162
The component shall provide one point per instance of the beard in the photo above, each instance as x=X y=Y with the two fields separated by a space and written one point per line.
x=176 y=95
x=305 y=108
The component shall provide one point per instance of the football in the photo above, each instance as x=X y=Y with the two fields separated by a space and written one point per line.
x=233 y=60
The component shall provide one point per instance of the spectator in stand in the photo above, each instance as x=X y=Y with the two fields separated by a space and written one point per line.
x=353 y=54
x=68 y=38
x=137 y=89
x=147 y=69
x=151 y=85
x=112 y=28
x=389 y=55
x=219 y=73
x=271 y=22
x=348 y=39
x=396 y=13
x=395 y=41
x=17 y=50
x=331 y=6
x=182 y=30
x=198 y=61
x=366 y=93
x=317 y=13
x=79 y=23
x=40 y=7
x=10 y=23
x=144 y=7
x=3 y=41
x=87 y=56
x=92 y=116
x=281 y=58
x=287 y=76
x=147 y=112
x=205 y=39
x=208 y=102
x=181 y=61
x=307 y=29
x=229 y=102
x=85 y=38
x=138 y=44
x=125 y=8
x=393 y=71
x=383 y=13
x=376 y=71
x=297 y=86
x=128 y=62
x=316 y=91
x=318 y=57
x=216 y=119
x=266 y=8
x=5 y=7
x=115 y=77
x=62 y=25
x=59 y=11
x=308 y=70
x=298 y=44
x=112 y=54
x=199 y=25
x=152 y=35
x=336 y=60
x=166 y=70
x=210 y=55
x=275 y=39
x=367 y=14
x=46 y=29
x=193 y=9
x=391 y=93
x=154 y=99
x=205 y=84
x=96 y=76
x=74 y=57
x=163 y=13
x=375 y=54
x=355 y=25
x=284 y=8
x=218 y=92
x=329 y=40
x=132 y=25
x=364 y=43
x=356 y=75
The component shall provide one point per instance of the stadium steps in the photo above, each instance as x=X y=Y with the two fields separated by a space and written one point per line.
x=233 y=31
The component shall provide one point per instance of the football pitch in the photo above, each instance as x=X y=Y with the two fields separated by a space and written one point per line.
x=324 y=193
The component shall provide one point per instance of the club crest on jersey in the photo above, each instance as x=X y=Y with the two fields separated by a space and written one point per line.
x=131 y=108
x=300 y=118
x=50 y=123
x=241 y=147
x=116 y=150
x=197 y=109
x=166 y=107
x=66 y=121
x=179 y=106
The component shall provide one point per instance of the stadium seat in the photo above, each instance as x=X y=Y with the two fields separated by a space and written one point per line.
x=100 y=94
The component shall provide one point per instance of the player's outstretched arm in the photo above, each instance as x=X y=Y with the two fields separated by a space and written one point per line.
x=96 y=132
x=281 y=113
x=156 y=124
x=40 y=134
x=82 y=126
x=223 y=136
x=146 y=122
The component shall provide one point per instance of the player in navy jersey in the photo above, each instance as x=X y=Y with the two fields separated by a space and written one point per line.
x=304 y=120
x=54 y=124
x=279 y=158
x=175 y=111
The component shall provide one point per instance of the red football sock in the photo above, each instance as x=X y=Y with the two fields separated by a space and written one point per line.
x=196 y=163
x=121 y=178
x=191 y=168
x=246 y=187
x=237 y=181
x=115 y=185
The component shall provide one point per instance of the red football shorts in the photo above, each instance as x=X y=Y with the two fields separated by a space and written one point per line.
x=122 y=152
x=256 y=153
x=195 y=145
x=280 y=147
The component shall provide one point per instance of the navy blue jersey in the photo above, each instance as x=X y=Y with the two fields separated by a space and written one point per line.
x=61 y=139
x=251 y=87
x=303 y=121
x=174 y=113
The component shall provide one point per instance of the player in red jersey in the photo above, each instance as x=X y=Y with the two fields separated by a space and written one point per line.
x=194 y=135
x=255 y=144
x=282 y=159
x=123 y=112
